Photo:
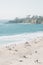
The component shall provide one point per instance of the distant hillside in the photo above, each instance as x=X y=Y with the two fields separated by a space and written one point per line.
x=28 y=19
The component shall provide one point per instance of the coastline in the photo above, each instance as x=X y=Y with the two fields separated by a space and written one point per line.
x=23 y=49
x=20 y=38
x=25 y=53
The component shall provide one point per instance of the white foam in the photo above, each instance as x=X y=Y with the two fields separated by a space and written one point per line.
x=20 y=38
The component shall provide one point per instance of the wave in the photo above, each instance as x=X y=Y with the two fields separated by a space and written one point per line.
x=20 y=37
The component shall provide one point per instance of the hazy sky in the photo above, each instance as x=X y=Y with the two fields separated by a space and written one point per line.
x=9 y=9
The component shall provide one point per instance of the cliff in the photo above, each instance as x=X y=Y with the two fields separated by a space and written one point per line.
x=28 y=19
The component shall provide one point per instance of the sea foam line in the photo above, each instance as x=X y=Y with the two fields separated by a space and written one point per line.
x=20 y=38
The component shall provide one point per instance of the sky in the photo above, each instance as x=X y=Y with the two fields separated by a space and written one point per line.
x=10 y=9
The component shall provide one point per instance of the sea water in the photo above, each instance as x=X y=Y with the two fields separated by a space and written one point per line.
x=17 y=33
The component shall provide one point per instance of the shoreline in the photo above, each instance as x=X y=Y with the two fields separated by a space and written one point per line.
x=6 y=40
x=21 y=42
x=25 y=53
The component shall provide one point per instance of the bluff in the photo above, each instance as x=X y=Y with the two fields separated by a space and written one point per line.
x=28 y=19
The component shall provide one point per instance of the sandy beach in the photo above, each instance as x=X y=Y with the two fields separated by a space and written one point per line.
x=27 y=53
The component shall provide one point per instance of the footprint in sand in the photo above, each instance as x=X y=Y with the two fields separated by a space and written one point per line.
x=27 y=44
x=20 y=60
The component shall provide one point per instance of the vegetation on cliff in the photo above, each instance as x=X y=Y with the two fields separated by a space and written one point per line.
x=28 y=19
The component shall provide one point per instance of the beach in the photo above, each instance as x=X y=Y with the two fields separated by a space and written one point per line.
x=25 y=53
x=21 y=44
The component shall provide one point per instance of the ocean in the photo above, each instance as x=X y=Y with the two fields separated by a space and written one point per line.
x=17 y=33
